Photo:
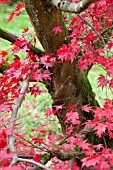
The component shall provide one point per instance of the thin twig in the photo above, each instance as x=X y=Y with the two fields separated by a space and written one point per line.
x=15 y=111
x=62 y=86
x=92 y=29
x=32 y=162
x=84 y=131
x=19 y=117
x=16 y=159
x=36 y=146
x=107 y=30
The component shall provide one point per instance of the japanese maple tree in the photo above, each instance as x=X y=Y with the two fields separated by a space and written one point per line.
x=72 y=45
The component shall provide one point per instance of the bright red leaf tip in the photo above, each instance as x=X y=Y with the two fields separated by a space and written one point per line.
x=36 y=157
x=110 y=45
x=57 y=29
x=75 y=167
x=4 y=53
x=16 y=12
x=25 y=30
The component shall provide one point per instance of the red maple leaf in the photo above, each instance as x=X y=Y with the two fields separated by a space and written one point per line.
x=35 y=90
x=102 y=81
x=48 y=111
x=90 y=161
x=110 y=45
x=3 y=140
x=63 y=53
x=48 y=60
x=87 y=108
x=4 y=53
x=100 y=129
x=36 y=157
x=73 y=117
x=57 y=29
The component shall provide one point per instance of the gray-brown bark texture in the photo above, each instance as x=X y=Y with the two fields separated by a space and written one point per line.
x=71 y=6
x=44 y=18
x=68 y=85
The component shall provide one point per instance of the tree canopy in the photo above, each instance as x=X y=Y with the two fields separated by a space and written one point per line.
x=75 y=36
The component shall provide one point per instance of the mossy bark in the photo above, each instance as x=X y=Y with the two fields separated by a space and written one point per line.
x=68 y=86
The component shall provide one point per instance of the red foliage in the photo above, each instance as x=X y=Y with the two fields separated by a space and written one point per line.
x=6 y=2
x=15 y=12
x=57 y=29
x=83 y=46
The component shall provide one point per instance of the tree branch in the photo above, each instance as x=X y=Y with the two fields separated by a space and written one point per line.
x=72 y=7
x=32 y=162
x=16 y=159
x=12 y=38
x=15 y=111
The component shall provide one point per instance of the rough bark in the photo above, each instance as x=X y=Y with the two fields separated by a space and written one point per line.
x=69 y=86
x=44 y=18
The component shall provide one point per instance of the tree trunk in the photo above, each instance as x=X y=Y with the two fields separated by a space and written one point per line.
x=68 y=86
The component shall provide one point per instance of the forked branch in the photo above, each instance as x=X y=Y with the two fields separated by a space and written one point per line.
x=16 y=160
x=72 y=7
